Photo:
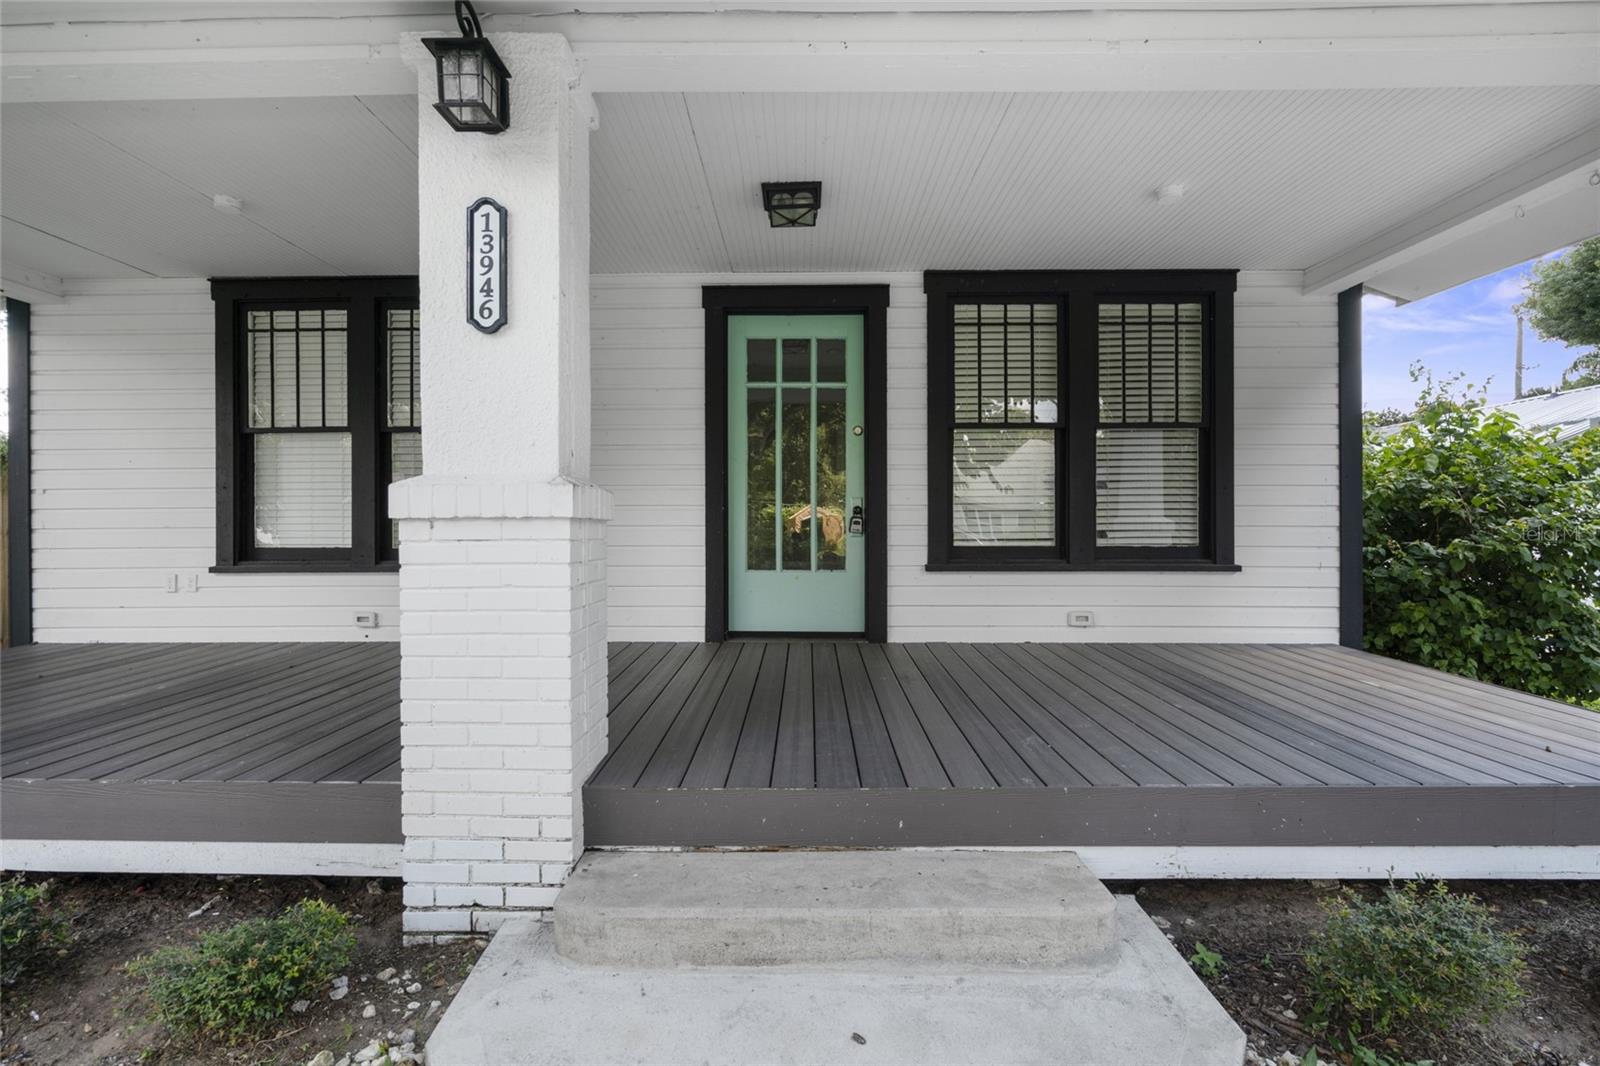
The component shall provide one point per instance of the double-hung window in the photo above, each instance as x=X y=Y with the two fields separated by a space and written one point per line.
x=317 y=412
x=1080 y=420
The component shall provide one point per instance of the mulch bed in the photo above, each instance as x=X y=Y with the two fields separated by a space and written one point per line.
x=1261 y=927
x=89 y=1011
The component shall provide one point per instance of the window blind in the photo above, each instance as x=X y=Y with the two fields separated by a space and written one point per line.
x=298 y=415
x=1148 y=442
x=1006 y=421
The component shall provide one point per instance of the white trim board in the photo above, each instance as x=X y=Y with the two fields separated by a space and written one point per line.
x=1511 y=863
x=200 y=857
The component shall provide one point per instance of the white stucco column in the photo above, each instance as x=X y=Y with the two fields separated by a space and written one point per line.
x=502 y=554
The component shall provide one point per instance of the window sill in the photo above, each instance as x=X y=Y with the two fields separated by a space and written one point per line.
x=306 y=566
x=1177 y=566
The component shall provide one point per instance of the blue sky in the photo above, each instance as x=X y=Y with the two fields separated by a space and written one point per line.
x=1469 y=329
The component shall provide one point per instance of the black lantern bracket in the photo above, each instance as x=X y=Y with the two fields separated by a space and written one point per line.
x=474 y=96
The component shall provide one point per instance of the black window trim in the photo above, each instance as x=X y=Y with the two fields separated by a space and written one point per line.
x=365 y=298
x=1078 y=293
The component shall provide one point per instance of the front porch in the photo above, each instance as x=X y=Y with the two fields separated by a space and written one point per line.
x=192 y=756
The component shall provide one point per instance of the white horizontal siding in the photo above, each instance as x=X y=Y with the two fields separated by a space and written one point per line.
x=124 y=484
x=649 y=446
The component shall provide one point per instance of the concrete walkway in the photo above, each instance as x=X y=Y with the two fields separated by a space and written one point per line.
x=526 y=1004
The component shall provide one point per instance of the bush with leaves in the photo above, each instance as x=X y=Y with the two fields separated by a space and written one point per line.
x=1482 y=549
x=230 y=984
x=30 y=929
x=1409 y=965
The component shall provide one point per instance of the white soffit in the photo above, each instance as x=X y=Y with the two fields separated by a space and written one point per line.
x=1274 y=180
x=1508 y=235
x=328 y=186
x=911 y=181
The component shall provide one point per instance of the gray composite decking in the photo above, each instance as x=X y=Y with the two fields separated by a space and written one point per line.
x=841 y=744
x=822 y=743
x=260 y=743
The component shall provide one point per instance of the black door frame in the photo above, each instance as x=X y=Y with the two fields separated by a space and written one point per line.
x=872 y=303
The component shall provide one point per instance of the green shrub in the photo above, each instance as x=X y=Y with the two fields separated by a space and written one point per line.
x=1410 y=964
x=1482 y=549
x=30 y=929
x=231 y=983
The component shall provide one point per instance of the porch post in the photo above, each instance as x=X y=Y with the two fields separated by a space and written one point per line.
x=502 y=576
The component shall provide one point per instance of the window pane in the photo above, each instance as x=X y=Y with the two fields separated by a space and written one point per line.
x=797 y=360
x=830 y=360
x=761 y=504
x=1150 y=362
x=405 y=461
x=831 y=540
x=1148 y=488
x=402 y=371
x=1005 y=362
x=302 y=490
x=1003 y=487
x=796 y=477
x=762 y=360
x=297 y=369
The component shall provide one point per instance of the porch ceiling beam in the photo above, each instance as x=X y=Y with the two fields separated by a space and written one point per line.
x=741 y=51
x=1563 y=169
x=32 y=286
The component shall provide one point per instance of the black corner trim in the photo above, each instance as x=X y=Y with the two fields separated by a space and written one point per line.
x=872 y=302
x=1352 y=519
x=19 y=503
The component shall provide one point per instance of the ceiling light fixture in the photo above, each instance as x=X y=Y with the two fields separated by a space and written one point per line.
x=791 y=203
x=1168 y=195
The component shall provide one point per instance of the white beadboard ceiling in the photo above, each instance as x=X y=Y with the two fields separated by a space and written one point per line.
x=910 y=181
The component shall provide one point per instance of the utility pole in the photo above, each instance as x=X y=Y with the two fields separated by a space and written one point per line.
x=1517 y=383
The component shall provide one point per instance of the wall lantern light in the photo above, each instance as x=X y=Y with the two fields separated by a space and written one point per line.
x=791 y=203
x=473 y=95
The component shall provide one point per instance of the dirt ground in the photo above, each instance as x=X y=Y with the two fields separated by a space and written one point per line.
x=89 y=1011
x=1260 y=928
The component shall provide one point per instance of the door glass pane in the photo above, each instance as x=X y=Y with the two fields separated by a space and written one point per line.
x=302 y=490
x=761 y=360
x=401 y=373
x=796 y=476
x=761 y=545
x=797 y=360
x=1003 y=487
x=830 y=360
x=832 y=513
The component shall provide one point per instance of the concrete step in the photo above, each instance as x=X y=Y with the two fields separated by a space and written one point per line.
x=526 y=1004
x=739 y=909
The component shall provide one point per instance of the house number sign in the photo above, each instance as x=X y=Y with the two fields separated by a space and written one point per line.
x=486 y=265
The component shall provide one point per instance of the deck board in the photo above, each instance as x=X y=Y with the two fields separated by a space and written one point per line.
x=819 y=743
x=202 y=742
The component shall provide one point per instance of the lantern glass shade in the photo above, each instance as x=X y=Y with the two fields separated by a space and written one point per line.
x=473 y=95
x=791 y=203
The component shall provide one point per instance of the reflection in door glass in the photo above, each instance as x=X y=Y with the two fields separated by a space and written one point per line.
x=761 y=504
x=830 y=359
x=797 y=360
x=831 y=513
x=796 y=476
x=761 y=360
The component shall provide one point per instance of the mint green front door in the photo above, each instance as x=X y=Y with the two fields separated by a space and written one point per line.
x=796 y=474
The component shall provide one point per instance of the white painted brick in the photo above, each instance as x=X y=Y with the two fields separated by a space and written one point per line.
x=531 y=896
x=506 y=872
x=417 y=895
x=469 y=895
x=418 y=921
x=541 y=851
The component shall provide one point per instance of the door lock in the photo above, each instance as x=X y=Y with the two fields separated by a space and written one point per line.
x=858 y=521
